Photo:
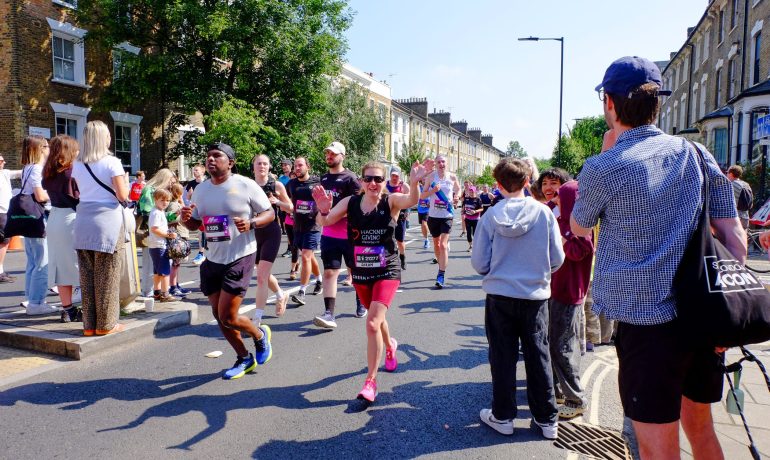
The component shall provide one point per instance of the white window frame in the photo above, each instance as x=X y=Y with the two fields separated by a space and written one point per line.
x=66 y=3
x=69 y=32
x=706 y=37
x=71 y=112
x=130 y=121
x=124 y=47
x=754 y=32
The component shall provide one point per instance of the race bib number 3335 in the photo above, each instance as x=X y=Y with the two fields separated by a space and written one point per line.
x=217 y=228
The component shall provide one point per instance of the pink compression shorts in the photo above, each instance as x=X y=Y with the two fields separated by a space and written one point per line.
x=381 y=291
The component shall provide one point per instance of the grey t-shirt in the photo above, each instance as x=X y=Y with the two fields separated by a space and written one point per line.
x=217 y=205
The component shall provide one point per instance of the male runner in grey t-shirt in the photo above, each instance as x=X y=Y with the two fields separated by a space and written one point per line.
x=230 y=207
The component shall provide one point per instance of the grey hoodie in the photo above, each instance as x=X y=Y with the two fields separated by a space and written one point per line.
x=517 y=246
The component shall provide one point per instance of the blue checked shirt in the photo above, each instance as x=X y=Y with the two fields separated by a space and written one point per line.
x=647 y=192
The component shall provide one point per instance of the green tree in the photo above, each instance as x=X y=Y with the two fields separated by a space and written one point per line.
x=276 y=55
x=414 y=151
x=486 y=177
x=587 y=135
x=344 y=115
x=515 y=150
x=239 y=125
x=570 y=159
x=543 y=163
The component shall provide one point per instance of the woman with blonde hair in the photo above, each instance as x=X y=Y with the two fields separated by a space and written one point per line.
x=163 y=179
x=99 y=235
x=34 y=153
x=63 y=191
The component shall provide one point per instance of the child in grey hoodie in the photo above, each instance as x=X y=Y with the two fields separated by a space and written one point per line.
x=518 y=246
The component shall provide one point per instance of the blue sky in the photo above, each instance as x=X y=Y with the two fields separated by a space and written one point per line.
x=465 y=57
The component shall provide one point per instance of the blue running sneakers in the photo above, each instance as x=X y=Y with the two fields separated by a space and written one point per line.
x=266 y=352
x=199 y=259
x=425 y=243
x=242 y=367
x=440 y=281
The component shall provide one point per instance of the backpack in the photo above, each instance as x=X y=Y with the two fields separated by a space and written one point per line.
x=743 y=198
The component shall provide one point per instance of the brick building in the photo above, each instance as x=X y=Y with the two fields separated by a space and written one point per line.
x=51 y=80
x=720 y=78
x=465 y=148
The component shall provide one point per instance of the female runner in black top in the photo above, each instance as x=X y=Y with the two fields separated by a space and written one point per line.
x=376 y=271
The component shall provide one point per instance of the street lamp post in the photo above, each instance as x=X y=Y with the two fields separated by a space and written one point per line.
x=561 y=82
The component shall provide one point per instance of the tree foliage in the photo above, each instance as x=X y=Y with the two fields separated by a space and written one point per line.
x=345 y=116
x=275 y=55
x=582 y=141
x=486 y=177
x=515 y=150
x=413 y=152
x=587 y=135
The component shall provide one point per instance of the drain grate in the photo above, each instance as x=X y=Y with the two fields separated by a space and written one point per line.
x=592 y=441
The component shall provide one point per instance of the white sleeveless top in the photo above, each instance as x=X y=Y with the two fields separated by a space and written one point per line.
x=439 y=208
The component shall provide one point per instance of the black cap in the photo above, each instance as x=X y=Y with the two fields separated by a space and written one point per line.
x=222 y=147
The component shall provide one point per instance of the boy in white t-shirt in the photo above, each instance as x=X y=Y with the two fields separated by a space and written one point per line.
x=161 y=264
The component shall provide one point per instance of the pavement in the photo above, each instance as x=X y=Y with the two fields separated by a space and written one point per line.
x=302 y=403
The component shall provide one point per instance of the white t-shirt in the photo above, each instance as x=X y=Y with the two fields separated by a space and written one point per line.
x=157 y=219
x=105 y=169
x=31 y=177
x=217 y=205
x=5 y=190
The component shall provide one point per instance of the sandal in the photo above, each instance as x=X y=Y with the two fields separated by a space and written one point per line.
x=117 y=328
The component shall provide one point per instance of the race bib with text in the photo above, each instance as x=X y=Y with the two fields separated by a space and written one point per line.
x=217 y=228
x=370 y=256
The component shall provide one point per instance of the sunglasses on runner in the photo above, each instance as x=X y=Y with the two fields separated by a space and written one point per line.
x=376 y=179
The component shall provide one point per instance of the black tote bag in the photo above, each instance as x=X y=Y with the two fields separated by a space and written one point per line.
x=26 y=217
x=719 y=302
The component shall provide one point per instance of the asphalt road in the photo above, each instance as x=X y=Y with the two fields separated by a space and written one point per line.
x=162 y=398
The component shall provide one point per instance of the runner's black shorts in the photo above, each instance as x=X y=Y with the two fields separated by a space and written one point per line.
x=400 y=231
x=268 y=241
x=422 y=218
x=657 y=368
x=439 y=225
x=232 y=278
x=334 y=251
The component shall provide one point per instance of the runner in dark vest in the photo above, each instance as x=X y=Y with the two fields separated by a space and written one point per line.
x=376 y=272
x=396 y=185
x=269 y=239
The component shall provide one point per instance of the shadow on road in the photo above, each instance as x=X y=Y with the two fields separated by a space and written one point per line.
x=437 y=419
x=216 y=407
x=440 y=306
x=79 y=395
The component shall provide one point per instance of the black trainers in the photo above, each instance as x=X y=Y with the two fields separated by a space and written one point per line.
x=71 y=315
x=299 y=298
x=318 y=288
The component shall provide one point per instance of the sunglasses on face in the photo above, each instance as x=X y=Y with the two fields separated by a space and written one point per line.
x=376 y=179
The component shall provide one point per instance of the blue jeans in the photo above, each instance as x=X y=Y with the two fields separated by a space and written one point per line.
x=508 y=320
x=36 y=279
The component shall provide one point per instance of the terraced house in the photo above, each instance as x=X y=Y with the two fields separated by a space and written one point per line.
x=50 y=80
x=720 y=78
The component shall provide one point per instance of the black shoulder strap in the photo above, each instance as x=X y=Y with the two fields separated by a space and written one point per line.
x=109 y=189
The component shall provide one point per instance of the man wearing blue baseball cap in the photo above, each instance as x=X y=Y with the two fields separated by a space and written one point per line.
x=632 y=186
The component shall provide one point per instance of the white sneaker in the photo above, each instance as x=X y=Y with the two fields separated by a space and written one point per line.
x=550 y=430
x=41 y=309
x=325 y=321
x=501 y=426
x=54 y=289
x=77 y=296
